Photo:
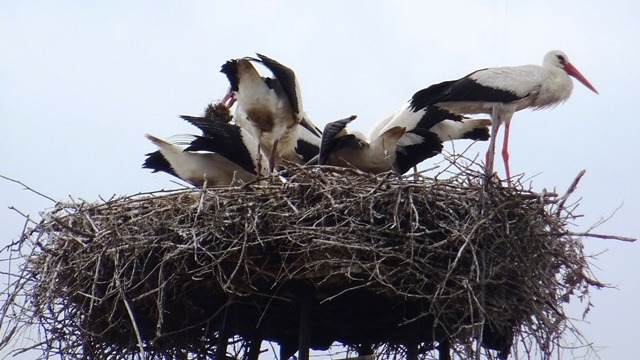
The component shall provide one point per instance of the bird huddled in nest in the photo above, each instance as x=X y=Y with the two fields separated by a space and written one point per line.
x=225 y=154
x=409 y=136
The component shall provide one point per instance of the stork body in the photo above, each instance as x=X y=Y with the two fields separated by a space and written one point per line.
x=273 y=106
x=305 y=144
x=225 y=155
x=502 y=91
x=344 y=149
x=427 y=126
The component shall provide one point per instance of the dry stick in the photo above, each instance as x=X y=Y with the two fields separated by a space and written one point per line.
x=448 y=192
x=29 y=188
x=602 y=236
x=570 y=190
x=126 y=304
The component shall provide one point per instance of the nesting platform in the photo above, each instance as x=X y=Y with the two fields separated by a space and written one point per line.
x=330 y=255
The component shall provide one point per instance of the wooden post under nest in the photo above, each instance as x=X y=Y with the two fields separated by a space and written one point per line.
x=304 y=332
x=222 y=342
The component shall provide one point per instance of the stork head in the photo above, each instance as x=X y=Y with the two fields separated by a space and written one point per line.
x=559 y=59
x=230 y=69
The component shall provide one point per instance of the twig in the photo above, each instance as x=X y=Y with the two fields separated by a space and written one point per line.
x=570 y=190
x=28 y=188
x=602 y=236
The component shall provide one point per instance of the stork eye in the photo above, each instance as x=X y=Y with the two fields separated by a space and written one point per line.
x=561 y=59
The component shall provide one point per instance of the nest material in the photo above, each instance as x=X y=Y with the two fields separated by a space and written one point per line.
x=376 y=260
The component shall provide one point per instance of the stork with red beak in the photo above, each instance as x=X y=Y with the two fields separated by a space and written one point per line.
x=502 y=91
x=273 y=106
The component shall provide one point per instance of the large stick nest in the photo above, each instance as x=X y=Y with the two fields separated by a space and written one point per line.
x=378 y=260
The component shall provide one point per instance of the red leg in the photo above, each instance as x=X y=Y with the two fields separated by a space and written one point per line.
x=259 y=164
x=491 y=151
x=272 y=158
x=505 y=150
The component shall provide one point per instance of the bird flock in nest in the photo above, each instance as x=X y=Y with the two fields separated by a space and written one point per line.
x=269 y=128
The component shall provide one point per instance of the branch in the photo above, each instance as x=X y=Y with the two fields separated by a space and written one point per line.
x=602 y=236
x=28 y=188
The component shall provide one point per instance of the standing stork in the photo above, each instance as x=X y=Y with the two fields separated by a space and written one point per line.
x=501 y=91
x=272 y=105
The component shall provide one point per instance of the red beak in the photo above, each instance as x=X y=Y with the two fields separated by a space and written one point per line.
x=571 y=70
x=229 y=99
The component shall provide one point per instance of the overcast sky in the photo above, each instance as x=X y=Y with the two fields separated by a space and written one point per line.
x=80 y=85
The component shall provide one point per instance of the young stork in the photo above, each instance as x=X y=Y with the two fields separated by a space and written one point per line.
x=502 y=91
x=225 y=155
x=273 y=106
x=306 y=145
x=383 y=153
x=427 y=126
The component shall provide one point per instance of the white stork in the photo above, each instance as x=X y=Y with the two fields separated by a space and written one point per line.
x=427 y=126
x=306 y=139
x=502 y=91
x=225 y=155
x=344 y=149
x=272 y=105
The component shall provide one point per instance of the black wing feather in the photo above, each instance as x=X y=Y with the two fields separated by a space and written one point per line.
x=307 y=150
x=463 y=89
x=467 y=89
x=287 y=79
x=329 y=143
x=230 y=68
x=210 y=128
x=429 y=96
x=435 y=114
x=157 y=162
x=221 y=138
x=411 y=155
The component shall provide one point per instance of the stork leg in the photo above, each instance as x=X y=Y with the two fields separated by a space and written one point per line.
x=505 y=150
x=272 y=158
x=491 y=151
x=258 y=135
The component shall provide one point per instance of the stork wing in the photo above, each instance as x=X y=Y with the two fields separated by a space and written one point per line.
x=287 y=79
x=330 y=141
x=228 y=140
x=416 y=146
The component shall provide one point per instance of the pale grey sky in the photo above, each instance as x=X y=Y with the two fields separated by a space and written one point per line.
x=82 y=82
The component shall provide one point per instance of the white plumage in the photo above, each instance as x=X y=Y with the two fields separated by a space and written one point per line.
x=502 y=91
x=198 y=167
x=342 y=148
x=273 y=108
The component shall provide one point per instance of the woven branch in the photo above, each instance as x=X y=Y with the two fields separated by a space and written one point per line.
x=382 y=261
